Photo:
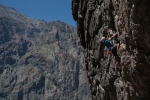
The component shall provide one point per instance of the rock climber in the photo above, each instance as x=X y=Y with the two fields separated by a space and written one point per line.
x=112 y=48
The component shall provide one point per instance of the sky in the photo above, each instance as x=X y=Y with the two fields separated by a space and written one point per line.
x=49 y=10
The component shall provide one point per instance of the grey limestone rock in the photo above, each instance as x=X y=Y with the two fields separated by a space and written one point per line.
x=40 y=60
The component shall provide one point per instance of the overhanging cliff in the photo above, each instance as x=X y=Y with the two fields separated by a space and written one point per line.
x=129 y=18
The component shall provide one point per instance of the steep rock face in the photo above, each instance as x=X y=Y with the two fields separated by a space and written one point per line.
x=129 y=18
x=40 y=60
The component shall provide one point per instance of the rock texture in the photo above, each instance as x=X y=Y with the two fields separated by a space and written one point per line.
x=129 y=18
x=40 y=60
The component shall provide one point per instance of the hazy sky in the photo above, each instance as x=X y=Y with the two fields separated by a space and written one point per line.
x=49 y=10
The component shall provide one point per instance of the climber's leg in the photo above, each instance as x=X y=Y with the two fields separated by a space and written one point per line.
x=117 y=47
x=114 y=51
x=117 y=61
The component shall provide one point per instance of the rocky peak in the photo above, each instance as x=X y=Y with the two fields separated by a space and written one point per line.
x=20 y=19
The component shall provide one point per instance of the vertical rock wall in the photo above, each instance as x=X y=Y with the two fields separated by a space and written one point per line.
x=131 y=20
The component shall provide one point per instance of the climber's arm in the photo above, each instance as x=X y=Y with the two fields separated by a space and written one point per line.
x=113 y=36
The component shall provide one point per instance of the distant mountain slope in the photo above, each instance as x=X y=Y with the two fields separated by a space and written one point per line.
x=40 y=60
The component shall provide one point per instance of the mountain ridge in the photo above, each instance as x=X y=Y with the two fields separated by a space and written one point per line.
x=40 y=60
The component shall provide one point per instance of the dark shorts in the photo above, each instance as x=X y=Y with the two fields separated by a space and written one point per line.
x=114 y=51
